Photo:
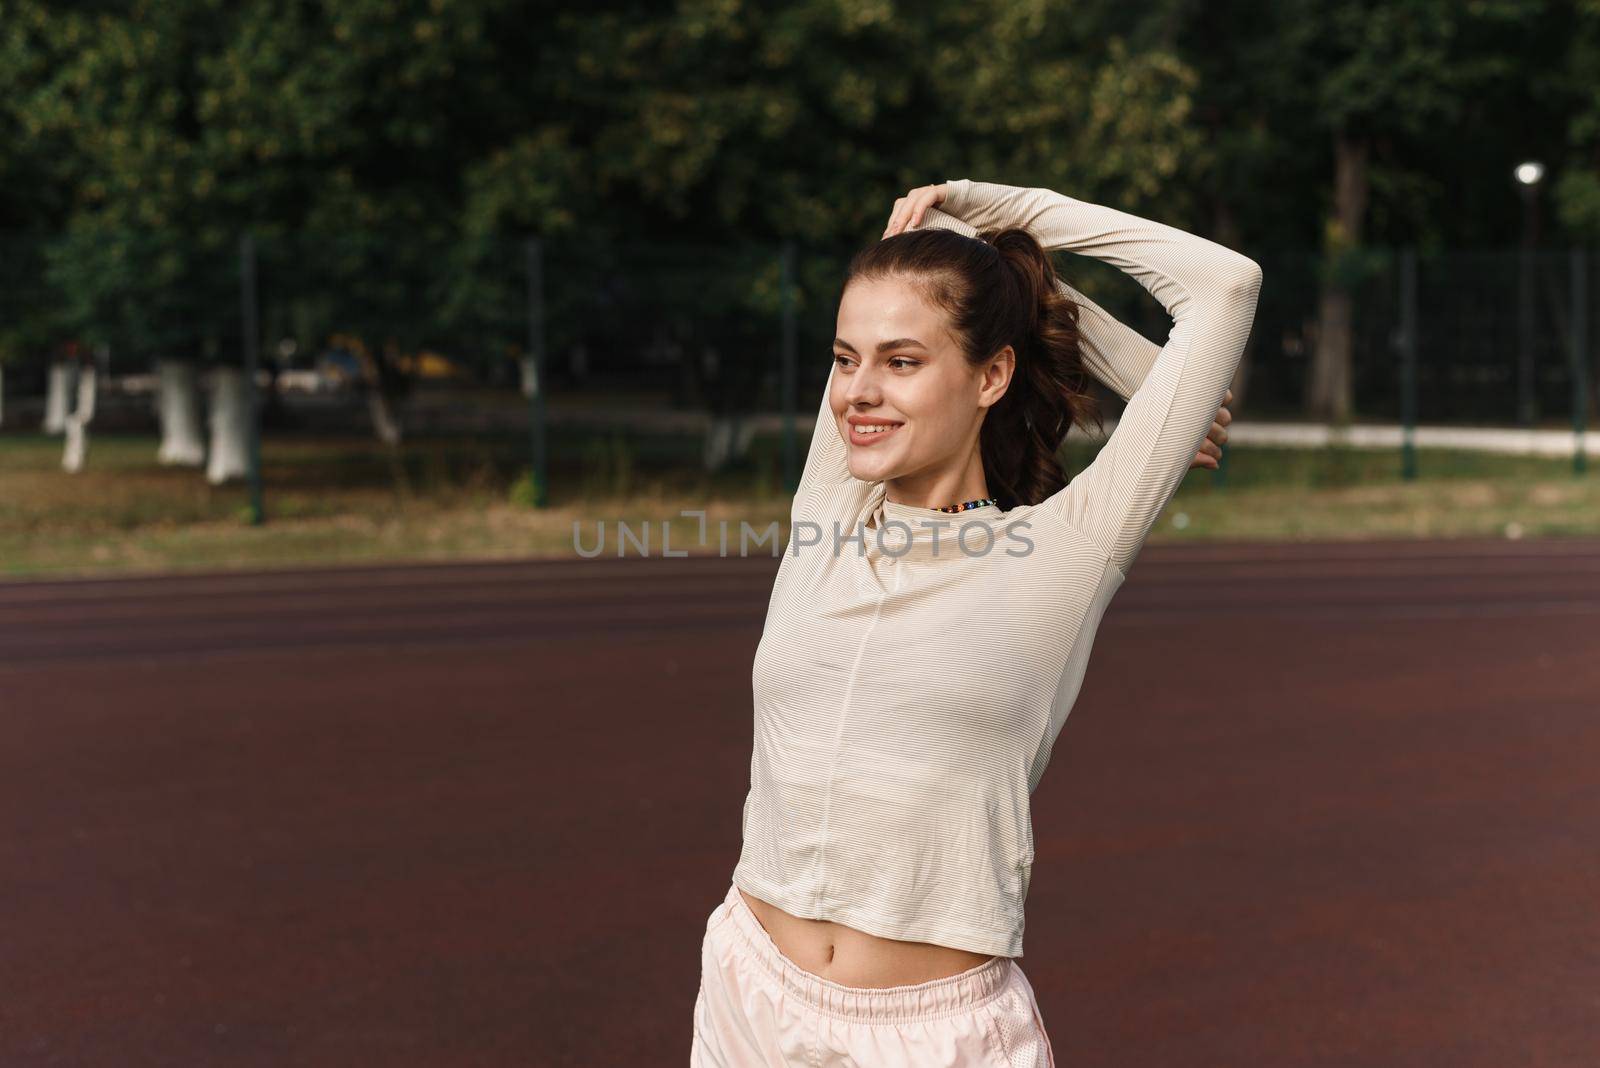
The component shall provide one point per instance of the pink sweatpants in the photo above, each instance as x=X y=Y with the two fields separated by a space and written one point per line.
x=758 y=1009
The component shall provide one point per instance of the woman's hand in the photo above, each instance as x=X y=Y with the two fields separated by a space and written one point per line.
x=909 y=208
x=1211 y=449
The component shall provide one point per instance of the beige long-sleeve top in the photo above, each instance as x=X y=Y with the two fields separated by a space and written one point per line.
x=909 y=687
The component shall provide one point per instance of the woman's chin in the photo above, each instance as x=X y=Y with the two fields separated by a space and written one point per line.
x=877 y=472
x=874 y=470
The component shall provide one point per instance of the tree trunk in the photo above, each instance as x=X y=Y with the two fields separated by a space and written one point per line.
x=77 y=423
x=530 y=377
x=730 y=389
x=385 y=385
x=58 y=402
x=384 y=422
x=178 y=410
x=1329 y=384
x=1328 y=388
x=727 y=438
x=230 y=426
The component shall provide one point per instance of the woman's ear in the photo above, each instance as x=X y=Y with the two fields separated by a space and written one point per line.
x=997 y=376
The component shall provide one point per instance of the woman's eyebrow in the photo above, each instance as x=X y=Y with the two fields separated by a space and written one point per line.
x=884 y=346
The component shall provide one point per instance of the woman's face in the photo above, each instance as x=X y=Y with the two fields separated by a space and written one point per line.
x=918 y=386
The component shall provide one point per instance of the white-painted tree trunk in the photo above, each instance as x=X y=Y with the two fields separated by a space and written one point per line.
x=178 y=410
x=77 y=428
x=530 y=377
x=230 y=426
x=727 y=438
x=384 y=421
x=58 y=396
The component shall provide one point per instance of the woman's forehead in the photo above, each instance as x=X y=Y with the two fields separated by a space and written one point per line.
x=883 y=311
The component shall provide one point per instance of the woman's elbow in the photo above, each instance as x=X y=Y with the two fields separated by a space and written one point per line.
x=1245 y=276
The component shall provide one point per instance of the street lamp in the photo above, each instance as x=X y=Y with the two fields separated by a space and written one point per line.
x=1528 y=175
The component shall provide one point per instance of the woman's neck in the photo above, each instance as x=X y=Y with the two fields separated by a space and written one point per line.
x=935 y=494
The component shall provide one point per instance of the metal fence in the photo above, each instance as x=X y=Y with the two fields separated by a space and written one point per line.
x=699 y=358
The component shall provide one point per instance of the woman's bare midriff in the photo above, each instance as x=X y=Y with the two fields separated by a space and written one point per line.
x=854 y=958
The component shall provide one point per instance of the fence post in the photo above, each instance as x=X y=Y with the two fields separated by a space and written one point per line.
x=788 y=388
x=250 y=310
x=539 y=474
x=1526 y=408
x=1408 y=363
x=1579 y=324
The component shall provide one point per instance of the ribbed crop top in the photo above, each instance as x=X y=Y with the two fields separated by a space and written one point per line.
x=908 y=688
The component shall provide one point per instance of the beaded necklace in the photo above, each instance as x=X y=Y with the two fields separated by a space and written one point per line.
x=967 y=504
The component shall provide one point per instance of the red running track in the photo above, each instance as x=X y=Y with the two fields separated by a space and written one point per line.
x=1317 y=805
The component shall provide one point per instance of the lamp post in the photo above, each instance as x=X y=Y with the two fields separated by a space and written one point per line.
x=1528 y=175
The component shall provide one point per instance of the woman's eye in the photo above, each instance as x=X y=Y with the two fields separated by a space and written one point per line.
x=896 y=362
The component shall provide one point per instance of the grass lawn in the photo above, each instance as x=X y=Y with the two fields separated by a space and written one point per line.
x=343 y=500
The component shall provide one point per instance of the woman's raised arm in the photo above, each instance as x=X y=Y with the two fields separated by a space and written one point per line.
x=827 y=466
x=1209 y=290
x=1113 y=352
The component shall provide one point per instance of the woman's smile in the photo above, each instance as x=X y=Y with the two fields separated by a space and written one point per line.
x=870 y=431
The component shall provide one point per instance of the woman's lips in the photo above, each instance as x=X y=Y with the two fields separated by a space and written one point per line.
x=861 y=436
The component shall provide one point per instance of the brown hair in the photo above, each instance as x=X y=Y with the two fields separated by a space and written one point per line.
x=999 y=289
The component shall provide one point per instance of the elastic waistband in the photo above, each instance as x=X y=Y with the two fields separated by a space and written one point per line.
x=962 y=992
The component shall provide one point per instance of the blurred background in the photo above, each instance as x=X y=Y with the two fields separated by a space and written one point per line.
x=326 y=324
x=471 y=263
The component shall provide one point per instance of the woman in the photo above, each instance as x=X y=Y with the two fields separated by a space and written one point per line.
x=932 y=617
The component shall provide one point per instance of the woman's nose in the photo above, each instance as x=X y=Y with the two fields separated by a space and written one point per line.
x=863 y=388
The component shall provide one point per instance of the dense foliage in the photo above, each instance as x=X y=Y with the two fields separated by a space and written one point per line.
x=144 y=137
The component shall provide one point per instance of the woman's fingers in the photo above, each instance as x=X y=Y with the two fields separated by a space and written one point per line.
x=1210 y=452
x=902 y=212
x=894 y=218
x=909 y=209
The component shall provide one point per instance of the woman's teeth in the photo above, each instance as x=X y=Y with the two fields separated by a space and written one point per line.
x=875 y=429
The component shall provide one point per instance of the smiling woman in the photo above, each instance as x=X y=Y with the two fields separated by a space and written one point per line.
x=908 y=691
x=904 y=357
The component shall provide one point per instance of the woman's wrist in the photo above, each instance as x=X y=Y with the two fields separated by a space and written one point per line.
x=955 y=197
